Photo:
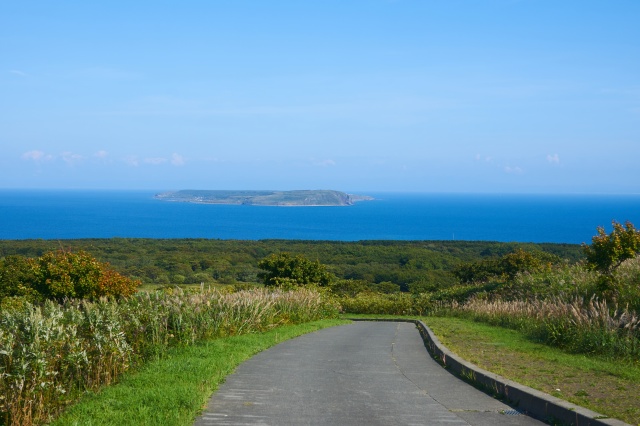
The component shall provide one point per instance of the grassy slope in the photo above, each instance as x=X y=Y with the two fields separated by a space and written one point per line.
x=606 y=386
x=173 y=391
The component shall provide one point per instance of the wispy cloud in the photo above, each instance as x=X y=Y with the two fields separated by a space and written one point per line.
x=513 y=170
x=324 y=163
x=37 y=156
x=71 y=158
x=553 y=159
x=18 y=73
x=101 y=154
x=486 y=158
x=131 y=160
x=177 y=159
x=156 y=161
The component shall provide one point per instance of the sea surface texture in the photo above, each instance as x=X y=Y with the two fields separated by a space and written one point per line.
x=32 y=214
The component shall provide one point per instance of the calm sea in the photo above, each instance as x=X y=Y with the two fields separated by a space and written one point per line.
x=103 y=214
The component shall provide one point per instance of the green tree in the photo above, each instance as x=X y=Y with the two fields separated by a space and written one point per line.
x=387 y=287
x=507 y=266
x=608 y=251
x=17 y=278
x=283 y=269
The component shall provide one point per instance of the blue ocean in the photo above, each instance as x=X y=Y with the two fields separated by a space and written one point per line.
x=48 y=214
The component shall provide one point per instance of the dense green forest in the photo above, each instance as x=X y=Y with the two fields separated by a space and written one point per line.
x=195 y=261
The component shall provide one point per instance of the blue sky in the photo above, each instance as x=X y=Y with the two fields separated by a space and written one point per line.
x=498 y=96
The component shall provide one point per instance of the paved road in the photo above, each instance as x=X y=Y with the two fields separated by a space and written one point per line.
x=364 y=373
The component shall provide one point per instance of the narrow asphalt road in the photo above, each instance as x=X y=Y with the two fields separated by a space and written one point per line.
x=364 y=373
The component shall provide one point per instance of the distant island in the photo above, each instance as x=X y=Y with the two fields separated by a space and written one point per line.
x=264 y=198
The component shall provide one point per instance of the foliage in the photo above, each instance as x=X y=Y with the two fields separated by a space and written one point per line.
x=378 y=303
x=349 y=288
x=283 y=269
x=607 y=252
x=387 y=287
x=59 y=275
x=507 y=266
x=50 y=354
x=17 y=278
x=157 y=261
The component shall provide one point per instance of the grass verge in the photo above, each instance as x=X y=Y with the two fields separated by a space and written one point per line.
x=174 y=390
x=607 y=386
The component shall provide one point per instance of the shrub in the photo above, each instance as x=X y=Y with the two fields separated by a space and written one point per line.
x=59 y=275
x=284 y=269
x=349 y=287
x=17 y=279
x=507 y=266
x=378 y=303
x=607 y=252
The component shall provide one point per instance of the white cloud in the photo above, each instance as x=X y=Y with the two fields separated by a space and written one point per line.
x=101 y=154
x=487 y=158
x=37 y=156
x=513 y=170
x=156 y=161
x=553 y=159
x=18 y=73
x=177 y=159
x=70 y=158
x=131 y=160
x=324 y=163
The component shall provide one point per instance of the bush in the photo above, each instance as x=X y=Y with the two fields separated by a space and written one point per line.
x=349 y=288
x=378 y=303
x=17 y=279
x=607 y=252
x=507 y=266
x=59 y=275
x=284 y=269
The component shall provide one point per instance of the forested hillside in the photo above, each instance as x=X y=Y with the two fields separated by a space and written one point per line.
x=177 y=261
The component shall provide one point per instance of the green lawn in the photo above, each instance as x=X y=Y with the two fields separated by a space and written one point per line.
x=174 y=390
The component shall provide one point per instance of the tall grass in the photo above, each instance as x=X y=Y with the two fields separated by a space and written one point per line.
x=52 y=353
x=581 y=325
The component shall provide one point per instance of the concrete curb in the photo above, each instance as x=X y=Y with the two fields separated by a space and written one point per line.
x=533 y=402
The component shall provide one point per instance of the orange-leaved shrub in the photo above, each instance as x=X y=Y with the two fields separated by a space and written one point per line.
x=62 y=274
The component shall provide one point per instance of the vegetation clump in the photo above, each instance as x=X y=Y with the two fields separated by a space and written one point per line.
x=608 y=251
x=62 y=274
x=283 y=269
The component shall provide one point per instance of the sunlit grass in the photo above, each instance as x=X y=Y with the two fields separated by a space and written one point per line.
x=51 y=354
x=173 y=390
x=601 y=384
